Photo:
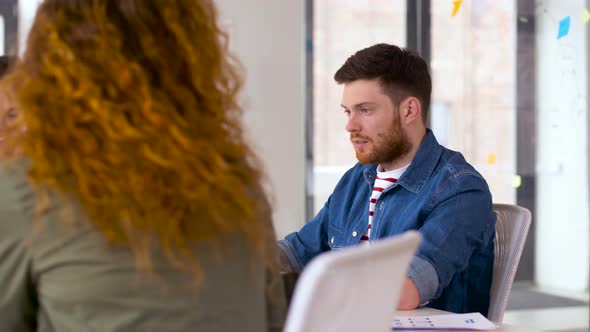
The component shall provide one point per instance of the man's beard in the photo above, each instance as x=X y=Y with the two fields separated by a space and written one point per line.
x=390 y=146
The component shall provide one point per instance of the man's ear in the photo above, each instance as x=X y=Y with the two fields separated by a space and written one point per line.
x=410 y=110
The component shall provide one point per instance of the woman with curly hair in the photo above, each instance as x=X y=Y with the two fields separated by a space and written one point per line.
x=7 y=103
x=137 y=204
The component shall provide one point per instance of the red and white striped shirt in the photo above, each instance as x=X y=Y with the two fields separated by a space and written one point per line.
x=383 y=181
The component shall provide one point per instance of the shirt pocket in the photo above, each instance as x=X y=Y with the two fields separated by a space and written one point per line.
x=336 y=238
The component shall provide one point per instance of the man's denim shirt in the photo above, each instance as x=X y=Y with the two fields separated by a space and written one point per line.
x=440 y=195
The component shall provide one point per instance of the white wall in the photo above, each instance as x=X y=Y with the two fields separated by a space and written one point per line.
x=26 y=14
x=269 y=38
x=562 y=216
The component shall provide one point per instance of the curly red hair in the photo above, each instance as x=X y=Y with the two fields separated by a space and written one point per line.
x=130 y=108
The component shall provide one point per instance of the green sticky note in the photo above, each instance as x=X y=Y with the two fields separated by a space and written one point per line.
x=516 y=181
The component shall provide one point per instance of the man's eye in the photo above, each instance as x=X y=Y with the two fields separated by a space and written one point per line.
x=347 y=112
x=364 y=110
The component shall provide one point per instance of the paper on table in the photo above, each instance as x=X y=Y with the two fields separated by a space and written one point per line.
x=471 y=321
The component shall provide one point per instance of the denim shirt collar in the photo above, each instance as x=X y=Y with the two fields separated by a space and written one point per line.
x=421 y=168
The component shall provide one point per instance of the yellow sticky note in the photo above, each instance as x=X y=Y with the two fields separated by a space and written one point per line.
x=586 y=16
x=491 y=159
x=456 y=6
x=516 y=181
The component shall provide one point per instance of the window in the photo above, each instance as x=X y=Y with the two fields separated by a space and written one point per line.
x=340 y=29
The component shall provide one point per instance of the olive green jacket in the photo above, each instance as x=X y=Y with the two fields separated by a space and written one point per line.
x=66 y=278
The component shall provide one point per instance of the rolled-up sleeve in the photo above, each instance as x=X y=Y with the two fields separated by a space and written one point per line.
x=424 y=277
x=286 y=247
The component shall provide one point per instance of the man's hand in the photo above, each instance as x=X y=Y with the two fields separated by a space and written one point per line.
x=409 y=296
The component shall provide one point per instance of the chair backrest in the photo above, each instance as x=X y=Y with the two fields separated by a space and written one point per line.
x=353 y=289
x=512 y=226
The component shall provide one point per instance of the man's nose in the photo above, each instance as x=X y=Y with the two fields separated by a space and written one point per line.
x=352 y=125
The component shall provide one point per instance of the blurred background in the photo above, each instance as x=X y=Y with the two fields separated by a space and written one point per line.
x=509 y=92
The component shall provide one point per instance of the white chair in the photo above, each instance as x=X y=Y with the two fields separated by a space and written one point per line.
x=354 y=289
x=512 y=226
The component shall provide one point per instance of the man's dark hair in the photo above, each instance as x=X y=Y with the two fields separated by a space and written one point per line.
x=402 y=73
x=6 y=62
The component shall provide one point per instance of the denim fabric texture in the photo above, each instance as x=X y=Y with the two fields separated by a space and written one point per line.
x=440 y=195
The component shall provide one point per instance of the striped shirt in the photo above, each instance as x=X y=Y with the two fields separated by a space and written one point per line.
x=383 y=181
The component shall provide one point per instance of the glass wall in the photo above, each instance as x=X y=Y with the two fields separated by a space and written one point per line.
x=473 y=98
x=562 y=102
x=340 y=28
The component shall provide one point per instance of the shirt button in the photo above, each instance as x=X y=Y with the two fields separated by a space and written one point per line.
x=354 y=234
